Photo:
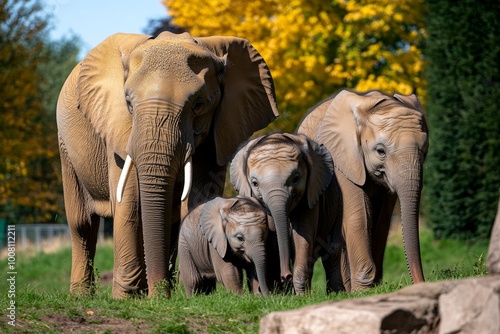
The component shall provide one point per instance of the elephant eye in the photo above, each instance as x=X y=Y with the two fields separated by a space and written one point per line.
x=129 y=104
x=240 y=237
x=198 y=107
x=255 y=183
x=380 y=151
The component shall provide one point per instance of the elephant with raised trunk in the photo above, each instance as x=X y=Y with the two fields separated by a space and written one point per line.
x=139 y=117
x=221 y=238
x=293 y=177
x=378 y=144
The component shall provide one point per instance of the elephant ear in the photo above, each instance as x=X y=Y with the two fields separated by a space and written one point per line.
x=100 y=92
x=238 y=169
x=249 y=101
x=340 y=130
x=319 y=164
x=213 y=223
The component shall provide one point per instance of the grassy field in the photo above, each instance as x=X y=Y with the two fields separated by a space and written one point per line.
x=43 y=304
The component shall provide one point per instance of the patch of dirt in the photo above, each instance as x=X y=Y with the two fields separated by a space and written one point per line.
x=90 y=322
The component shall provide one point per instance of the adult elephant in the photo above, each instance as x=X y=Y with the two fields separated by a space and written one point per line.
x=293 y=177
x=171 y=109
x=378 y=144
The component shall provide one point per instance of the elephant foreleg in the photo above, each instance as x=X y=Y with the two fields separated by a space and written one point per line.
x=230 y=276
x=334 y=281
x=383 y=206
x=304 y=225
x=332 y=261
x=345 y=270
x=356 y=228
x=129 y=271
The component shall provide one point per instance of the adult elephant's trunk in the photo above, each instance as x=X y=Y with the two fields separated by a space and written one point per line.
x=156 y=184
x=409 y=187
x=159 y=155
x=258 y=257
x=277 y=202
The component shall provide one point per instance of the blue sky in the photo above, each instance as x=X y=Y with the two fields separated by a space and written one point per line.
x=94 y=20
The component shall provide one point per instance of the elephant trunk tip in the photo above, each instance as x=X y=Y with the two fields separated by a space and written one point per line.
x=264 y=291
x=417 y=276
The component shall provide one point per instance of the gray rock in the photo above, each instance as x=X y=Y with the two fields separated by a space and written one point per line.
x=472 y=306
x=465 y=306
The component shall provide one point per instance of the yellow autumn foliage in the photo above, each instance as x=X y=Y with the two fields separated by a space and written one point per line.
x=315 y=48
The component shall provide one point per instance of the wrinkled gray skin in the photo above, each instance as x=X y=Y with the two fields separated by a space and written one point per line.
x=378 y=144
x=219 y=239
x=293 y=177
x=158 y=103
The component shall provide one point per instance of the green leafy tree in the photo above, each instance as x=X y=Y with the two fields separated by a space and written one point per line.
x=463 y=168
x=59 y=59
x=30 y=187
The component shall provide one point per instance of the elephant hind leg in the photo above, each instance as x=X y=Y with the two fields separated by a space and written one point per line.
x=195 y=284
x=334 y=281
x=83 y=240
x=83 y=227
x=207 y=286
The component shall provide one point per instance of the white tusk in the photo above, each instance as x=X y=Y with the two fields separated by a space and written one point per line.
x=123 y=178
x=188 y=179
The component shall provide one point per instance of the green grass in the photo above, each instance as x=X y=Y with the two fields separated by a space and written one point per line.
x=43 y=304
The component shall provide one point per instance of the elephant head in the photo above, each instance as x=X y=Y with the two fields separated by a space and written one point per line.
x=154 y=101
x=283 y=171
x=384 y=139
x=243 y=225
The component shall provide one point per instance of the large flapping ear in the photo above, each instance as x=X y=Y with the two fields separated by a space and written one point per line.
x=238 y=169
x=340 y=130
x=320 y=166
x=213 y=223
x=100 y=91
x=249 y=100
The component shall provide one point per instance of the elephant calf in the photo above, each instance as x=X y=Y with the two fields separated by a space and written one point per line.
x=220 y=238
x=293 y=176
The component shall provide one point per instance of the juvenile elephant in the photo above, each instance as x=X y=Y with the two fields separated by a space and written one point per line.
x=378 y=144
x=139 y=117
x=219 y=239
x=293 y=177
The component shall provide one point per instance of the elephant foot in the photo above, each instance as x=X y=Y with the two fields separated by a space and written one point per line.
x=82 y=289
x=118 y=292
x=364 y=280
x=134 y=284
